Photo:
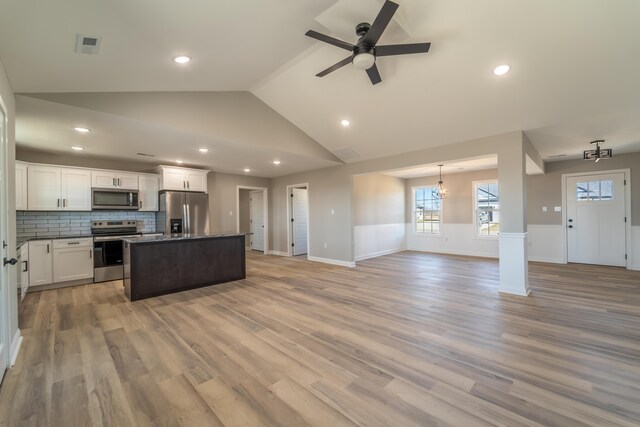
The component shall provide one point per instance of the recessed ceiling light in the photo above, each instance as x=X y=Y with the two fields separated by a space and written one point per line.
x=345 y=122
x=501 y=70
x=179 y=162
x=247 y=170
x=276 y=162
x=181 y=59
x=82 y=130
x=204 y=150
x=77 y=148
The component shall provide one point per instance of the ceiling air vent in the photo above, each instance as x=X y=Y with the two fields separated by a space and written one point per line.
x=146 y=155
x=87 y=44
x=346 y=154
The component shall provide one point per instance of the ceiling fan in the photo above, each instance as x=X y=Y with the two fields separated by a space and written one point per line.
x=364 y=52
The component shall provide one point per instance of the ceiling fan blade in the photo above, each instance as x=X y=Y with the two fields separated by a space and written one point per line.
x=374 y=75
x=380 y=24
x=402 y=49
x=334 y=67
x=327 y=39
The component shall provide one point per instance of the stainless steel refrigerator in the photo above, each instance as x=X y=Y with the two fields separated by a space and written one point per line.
x=183 y=213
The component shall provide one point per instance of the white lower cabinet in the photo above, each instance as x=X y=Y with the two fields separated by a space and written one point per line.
x=72 y=259
x=60 y=260
x=40 y=262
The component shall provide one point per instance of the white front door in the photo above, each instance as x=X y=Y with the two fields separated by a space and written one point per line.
x=596 y=229
x=300 y=219
x=4 y=274
x=256 y=201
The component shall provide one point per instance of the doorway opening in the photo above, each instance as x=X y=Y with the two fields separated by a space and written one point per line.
x=597 y=217
x=298 y=219
x=252 y=219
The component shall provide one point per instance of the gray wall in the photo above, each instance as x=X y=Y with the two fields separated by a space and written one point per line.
x=378 y=199
x=546 y=190
x=458 y=206
x=81 y=160
x=222 y=190
x=331 y=188
x=245 y=213
x=6 y=95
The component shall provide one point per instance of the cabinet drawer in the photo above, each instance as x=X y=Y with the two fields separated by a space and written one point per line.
x=72 y=243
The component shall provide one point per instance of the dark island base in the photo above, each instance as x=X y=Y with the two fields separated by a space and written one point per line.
x=154 y=268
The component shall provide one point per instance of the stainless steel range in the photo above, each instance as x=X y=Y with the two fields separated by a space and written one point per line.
x=107 y=247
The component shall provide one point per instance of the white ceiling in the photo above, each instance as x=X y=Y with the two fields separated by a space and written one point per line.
x=574 y=74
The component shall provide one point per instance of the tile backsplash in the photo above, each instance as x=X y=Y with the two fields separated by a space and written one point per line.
x=57 y=223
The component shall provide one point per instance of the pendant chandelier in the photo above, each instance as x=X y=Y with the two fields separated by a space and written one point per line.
x=441 y=191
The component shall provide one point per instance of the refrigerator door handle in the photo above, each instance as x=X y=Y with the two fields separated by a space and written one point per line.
x=184 y=219
x=188 y=220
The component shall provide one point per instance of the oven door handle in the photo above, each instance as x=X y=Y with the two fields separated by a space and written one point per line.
x=112 y=238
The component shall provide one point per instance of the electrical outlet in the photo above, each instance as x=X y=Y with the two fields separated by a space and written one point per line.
x=557 y=209
x=325 y=245
x=544 y=209
x=230 y=213
x=333 y=211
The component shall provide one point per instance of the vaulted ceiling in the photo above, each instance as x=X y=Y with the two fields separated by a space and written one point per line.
x=574 y=69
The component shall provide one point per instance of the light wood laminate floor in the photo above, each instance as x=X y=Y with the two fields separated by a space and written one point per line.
x=409 y=339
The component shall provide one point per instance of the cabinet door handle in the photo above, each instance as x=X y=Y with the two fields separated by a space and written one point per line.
x=73 y=243
x=64 y=203
x=140 y=204
x=90 y=254
x=26 y=266
x=114 y=182
x=184 y=184
x=187 y=185
x=119 y=185
x=47 y=248
x=58 y=202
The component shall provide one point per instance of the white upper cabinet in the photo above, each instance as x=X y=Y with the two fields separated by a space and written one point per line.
x=21 y=186
x=76 y=190
x=148 y=194
x=44 y=185
x=52 y=188
x=114 y=179
x=182 y=179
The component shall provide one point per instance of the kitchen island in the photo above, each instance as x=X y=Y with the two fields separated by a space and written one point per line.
x=160 y=265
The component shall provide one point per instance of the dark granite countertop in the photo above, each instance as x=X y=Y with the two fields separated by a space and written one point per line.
x=24 y=240
x=178 y=237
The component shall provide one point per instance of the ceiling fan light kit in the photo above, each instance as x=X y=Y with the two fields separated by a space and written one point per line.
x=598 y=153
x=364 y=52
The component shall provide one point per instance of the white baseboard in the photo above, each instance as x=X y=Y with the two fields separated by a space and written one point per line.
x=16 y=342
x=381 y=253
x=339 y=262
x=278 y=253
x=546 y=259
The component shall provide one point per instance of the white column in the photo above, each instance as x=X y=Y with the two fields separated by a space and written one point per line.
x=514 y=272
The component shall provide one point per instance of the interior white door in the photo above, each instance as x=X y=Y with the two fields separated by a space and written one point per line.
x=300 y=217
x=257 y=220
x=596 y=219
x=4 y=283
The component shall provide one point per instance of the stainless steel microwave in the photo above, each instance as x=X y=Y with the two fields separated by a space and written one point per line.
x=114 y=199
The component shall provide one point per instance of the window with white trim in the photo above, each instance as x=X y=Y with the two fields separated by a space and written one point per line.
x=427 y=210
x=487 y=208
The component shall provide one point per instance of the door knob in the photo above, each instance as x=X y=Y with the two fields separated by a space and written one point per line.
x=571 y=226
x=570 y=220
x=11 y=261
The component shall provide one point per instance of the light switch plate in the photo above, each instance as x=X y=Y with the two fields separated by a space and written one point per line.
x=557 y=209
x=544 y=209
